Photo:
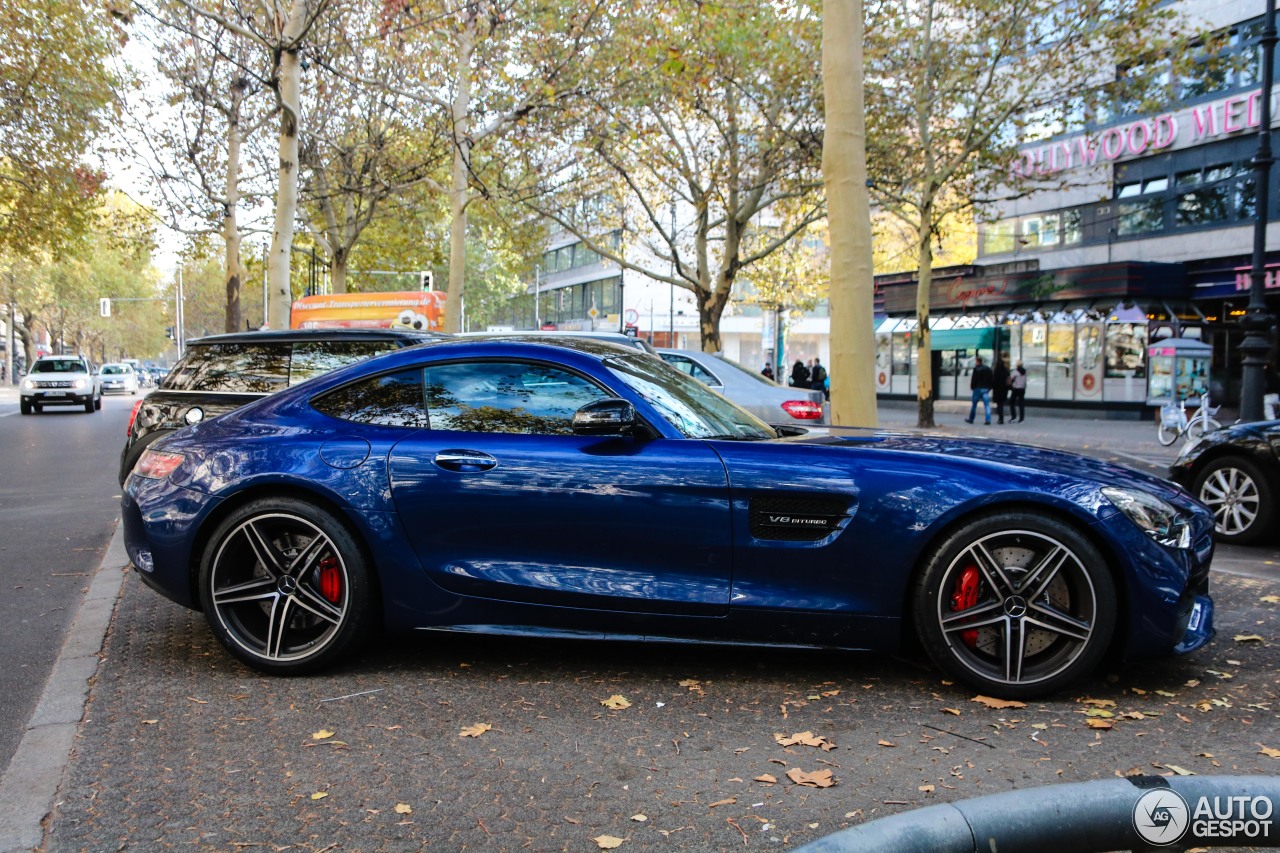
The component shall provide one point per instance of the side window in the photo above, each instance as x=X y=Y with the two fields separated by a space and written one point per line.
x=252 y=368
x=516 y=397
x=391 y=400
x=314 y=358
x=691 y=367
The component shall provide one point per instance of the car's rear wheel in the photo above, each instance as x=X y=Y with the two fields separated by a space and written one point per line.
x=1015 y=604
x=285 y=586
x=1242 y=501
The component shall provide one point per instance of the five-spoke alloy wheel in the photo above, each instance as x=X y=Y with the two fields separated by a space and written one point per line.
x=1240 y=497
x=1016 y=604
x=285 y=587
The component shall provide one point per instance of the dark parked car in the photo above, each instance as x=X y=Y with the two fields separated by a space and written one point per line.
x=1236 y=473
x=223 y=372
x=584 y=490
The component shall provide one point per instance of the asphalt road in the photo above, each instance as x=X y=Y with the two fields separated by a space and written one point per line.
x=58 y=507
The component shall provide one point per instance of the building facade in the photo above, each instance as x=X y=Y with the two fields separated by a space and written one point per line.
x=1148 y=233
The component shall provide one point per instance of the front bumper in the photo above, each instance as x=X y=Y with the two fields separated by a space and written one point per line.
x=59 y=397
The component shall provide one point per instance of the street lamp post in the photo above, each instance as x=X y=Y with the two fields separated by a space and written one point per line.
x=1256 y=322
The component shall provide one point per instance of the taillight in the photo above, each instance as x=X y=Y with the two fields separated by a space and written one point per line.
x=803 y=410
x=157 y=464
x=133 y=416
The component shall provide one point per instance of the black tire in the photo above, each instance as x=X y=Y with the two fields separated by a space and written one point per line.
x=1043 y=605
x=1241 y=498
x=285 y=587
x=25 y=406
x=37 y=408
x=88 y=406
x=97 y=403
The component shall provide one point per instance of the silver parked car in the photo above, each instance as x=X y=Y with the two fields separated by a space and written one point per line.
x=764 y=398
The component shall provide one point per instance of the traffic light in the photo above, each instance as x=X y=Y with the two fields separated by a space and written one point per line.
x=427 y=281
x=168 y=332
x=104 y=306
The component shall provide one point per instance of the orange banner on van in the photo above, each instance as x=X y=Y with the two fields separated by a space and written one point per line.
x=409 y=309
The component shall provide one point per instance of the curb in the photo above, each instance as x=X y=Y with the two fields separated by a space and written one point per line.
x=29 y=787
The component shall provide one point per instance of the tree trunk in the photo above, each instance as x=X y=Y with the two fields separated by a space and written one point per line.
x=711 y=305
x=338 y=269
x=924 y=346
x=844 y=168
x=231 y=228
x=289 y=77
x=458 y=179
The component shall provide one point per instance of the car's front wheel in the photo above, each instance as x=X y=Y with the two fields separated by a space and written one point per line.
x=25 y=405
x=285 y=586
x=1240 y=497
x=1015 y=604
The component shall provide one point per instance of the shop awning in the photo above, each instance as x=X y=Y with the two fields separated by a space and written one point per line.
x=963 y=339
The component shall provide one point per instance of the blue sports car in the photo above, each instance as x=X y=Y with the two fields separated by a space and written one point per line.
x=574 y=488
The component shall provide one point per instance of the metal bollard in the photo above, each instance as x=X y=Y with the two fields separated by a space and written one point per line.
x=1082 y=817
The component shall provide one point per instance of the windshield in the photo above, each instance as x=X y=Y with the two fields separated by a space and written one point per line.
x=58 y=365
x=687 y=404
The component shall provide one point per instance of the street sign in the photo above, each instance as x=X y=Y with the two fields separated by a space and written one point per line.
x=104 y=307
x=593 y=312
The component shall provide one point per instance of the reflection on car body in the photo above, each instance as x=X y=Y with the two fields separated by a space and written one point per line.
x=517 y=487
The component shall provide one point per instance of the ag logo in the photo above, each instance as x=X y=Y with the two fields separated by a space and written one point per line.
x=1161 y=816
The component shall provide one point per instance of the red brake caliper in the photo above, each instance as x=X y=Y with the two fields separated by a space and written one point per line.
x=330 y=579
x=964 y=597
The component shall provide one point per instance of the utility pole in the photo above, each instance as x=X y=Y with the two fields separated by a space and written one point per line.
x=1257 y=322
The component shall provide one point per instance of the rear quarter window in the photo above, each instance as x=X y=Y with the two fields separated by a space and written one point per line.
x=232 y=368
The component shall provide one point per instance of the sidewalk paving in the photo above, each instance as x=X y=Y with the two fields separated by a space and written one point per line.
x=175 y=744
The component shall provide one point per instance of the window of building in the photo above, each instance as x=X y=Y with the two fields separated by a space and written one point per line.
x=1139 y=217
x=1070 y=227
x=998 y=236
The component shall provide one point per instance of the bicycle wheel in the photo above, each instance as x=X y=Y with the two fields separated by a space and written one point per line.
x=1200 y=426
x=1167 y=435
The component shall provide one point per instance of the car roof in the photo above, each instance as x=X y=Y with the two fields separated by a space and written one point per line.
x=297 y=335
x=632 y=341
x=598 y=344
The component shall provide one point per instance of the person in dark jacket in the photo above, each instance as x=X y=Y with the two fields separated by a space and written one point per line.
x=767 y=372
x=799 y=375
x=818 y=377
x=1018 y=395
x=1000 y=387
x=980 y=390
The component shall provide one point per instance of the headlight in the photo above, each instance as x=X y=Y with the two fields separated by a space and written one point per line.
x=79 y=383
x=1158 y=519
x=28 y=384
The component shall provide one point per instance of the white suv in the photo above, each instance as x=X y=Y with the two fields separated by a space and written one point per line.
x=60 y=380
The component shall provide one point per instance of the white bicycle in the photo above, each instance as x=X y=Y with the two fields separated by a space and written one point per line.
x=1175 y=424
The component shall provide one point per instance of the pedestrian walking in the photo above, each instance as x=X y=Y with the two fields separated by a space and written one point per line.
x=799 y=375
x=1000 y=387
x=818 y=377
x=767 y=373
x=1018 y=394
x=980 y=391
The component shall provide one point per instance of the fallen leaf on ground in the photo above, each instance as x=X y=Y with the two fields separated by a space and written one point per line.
x=639 y=818
x=1099 y=703
x=475 y=731
x=615 y=702
x=886 y=743
x=771 y=780
x=1269 y=752
x=1270 y=599
x=1180 y=771
x=805 y=739
x=1247 y=638
x=992 y=702
x=607 y=842
x=149 y=722
x=1098 y=712
x=322 y=734
x=725 y=802
x=319 y=795
x=816 y=779
x=1095 y=723
x=927 y=789
x=404 y=808
x=955 y=711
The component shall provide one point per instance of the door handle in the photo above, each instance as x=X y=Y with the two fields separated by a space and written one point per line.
x=464 y=461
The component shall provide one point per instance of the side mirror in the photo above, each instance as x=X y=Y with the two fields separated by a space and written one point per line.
x=610 y=416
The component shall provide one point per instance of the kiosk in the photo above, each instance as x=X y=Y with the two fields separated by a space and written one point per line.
x=1177 y=369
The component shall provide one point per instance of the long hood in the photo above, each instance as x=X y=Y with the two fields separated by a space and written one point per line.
x=1021 y=459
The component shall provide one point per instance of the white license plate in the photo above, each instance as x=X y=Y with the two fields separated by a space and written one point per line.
x=55 y=393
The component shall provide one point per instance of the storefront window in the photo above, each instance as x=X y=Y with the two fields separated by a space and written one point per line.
x=904 y=358
x=1126 y=376
x=1060 y=361
x=1034 y=342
